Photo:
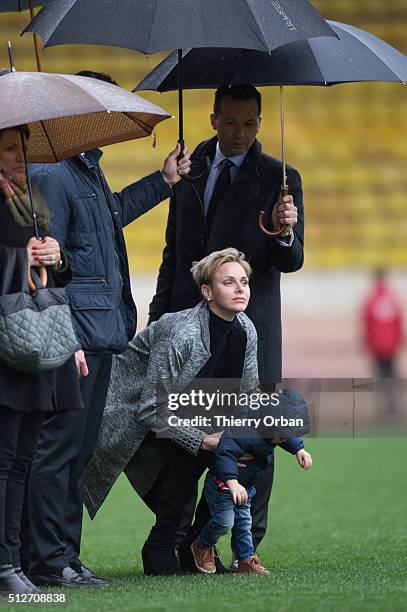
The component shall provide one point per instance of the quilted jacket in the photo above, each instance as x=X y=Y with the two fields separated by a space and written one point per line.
x=88 y=221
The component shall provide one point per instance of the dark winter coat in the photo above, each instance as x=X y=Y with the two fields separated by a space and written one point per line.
x=87 y=222
x=252 y=451
x=54 y=390
x=235 y=224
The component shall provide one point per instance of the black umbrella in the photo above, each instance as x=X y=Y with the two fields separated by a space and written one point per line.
x=14 y=6
x=354 y=56
x=159 y=25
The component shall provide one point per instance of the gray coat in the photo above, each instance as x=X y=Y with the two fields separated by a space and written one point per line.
x=169 y=352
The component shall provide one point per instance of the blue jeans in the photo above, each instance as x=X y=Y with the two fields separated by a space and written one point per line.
x=225 y=516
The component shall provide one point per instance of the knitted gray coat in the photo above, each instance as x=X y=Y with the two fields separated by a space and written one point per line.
x=170 y=352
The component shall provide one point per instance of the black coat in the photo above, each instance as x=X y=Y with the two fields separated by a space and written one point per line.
x=53 y=390
x=256 y=187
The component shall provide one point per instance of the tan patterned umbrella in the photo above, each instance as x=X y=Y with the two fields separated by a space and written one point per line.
x=69 y=114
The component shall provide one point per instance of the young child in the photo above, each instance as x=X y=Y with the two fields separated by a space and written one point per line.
x=229 y=488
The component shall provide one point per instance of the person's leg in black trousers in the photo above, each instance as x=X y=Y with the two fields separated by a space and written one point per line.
x=55 y=467
x=10 y=425
x=260 y=504
x=168 y=498
x=44 y=532
x=94 y=392
x=27 y=442
x=264 y=485
x=18 y=438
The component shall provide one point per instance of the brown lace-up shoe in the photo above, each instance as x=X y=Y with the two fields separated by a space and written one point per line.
x=251 y=565
x=204 y=558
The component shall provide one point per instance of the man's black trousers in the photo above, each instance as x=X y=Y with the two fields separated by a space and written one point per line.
x=53 y=524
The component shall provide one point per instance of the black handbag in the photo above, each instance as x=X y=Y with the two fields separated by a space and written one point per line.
x=36 y=331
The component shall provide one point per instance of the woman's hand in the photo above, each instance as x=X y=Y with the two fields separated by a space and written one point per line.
x=210 y=443
x=238 y=492
x=31 y=244
x=46 y=252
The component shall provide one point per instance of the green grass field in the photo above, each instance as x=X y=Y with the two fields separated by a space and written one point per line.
x=337 y=541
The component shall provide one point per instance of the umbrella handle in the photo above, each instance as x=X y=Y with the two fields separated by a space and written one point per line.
x=187 y=177
x=262 y=214
x=43 y=278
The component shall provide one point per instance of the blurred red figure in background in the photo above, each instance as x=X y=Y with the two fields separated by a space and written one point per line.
x=383 y=328
x=383 y=320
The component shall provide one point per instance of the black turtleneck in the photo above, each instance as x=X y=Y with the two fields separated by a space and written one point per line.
x=228 y=348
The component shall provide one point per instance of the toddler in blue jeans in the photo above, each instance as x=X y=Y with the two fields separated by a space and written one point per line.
x=229 y=487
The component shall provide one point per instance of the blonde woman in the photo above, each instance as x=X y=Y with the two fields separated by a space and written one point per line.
x=213 y=340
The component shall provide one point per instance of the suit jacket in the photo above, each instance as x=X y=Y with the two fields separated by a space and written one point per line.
x=235 y=224
x=167 y=354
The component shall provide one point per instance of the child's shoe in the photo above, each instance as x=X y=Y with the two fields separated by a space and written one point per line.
x=251 y=565
x=204 y=558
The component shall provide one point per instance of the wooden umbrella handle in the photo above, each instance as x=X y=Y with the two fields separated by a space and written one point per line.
x=262 y=215
x=43 y=278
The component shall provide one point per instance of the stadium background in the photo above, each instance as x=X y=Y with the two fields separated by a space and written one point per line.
x=337 y=536
x=348 y=142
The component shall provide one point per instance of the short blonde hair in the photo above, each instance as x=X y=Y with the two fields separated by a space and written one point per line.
x=203 y=271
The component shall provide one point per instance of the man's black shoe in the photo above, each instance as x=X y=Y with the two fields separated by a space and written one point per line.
x=160 y=560
x=67 y=579
x=10 y=582
x=89 y=575
x=220 y=568
x=26 y=580
x=186 y=558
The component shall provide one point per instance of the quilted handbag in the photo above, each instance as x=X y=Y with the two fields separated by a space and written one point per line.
x=36 y=331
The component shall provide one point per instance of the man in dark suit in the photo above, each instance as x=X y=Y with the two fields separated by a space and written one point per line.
x=221 y=210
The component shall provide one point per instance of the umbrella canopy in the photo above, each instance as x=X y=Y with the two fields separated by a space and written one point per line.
x=71 y=114
x=355 y=56
x=159 y=25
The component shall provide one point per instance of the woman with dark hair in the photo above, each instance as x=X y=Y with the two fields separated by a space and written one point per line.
x=24 y=398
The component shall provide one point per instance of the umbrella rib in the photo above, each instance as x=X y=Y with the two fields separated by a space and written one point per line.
x=140 y=122
x=322 y=77
x=258 y=30
x=151 y=29
x=49 y=140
